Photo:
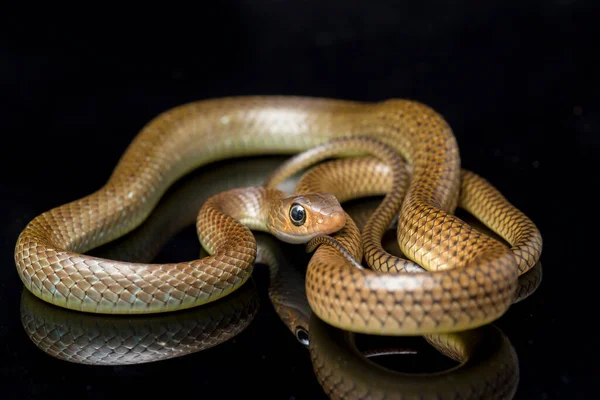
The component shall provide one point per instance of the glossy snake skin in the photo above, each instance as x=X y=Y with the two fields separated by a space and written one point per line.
x=488 y=367
x=473 y=280
x=86 y=338
x=419 y=301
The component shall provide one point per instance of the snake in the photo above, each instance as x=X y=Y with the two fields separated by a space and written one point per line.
x=477 y=196
x=488 y=367
x=471 y=278
x=110 y=340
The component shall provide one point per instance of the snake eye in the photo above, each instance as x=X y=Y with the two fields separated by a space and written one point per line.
x=297 y=214
x=302 y=335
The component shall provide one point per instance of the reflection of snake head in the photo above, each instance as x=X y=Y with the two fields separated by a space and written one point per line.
x=286 y=288
x=293 y=311
x=299 y=218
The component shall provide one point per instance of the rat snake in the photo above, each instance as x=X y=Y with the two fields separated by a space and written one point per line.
x=471 y=277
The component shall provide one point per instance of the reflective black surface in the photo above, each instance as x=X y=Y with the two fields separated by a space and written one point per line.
x=515 y=83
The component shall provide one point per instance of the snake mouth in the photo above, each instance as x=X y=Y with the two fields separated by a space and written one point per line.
x=293 y=238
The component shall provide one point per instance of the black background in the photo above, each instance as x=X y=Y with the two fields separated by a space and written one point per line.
x=515 y=80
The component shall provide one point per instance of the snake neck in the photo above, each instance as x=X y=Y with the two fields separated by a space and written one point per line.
x=237 y=209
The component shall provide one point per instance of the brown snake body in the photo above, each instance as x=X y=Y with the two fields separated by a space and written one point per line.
x=473 y=277
x=488 y=367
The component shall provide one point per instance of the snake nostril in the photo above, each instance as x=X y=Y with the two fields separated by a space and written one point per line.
x=302 y=335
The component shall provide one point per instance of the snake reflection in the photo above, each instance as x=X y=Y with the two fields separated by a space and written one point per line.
x=338 y=365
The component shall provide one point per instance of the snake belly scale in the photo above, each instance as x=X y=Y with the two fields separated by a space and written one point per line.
x=49 y=252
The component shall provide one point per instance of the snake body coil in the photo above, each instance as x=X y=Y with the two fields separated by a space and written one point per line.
x=473 y=280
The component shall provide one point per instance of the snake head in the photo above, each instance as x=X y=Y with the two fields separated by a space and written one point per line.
x=299 y=218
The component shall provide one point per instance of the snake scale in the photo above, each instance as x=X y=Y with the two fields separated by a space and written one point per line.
x=471 y=277
x=488 y=367
x=339 y=366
